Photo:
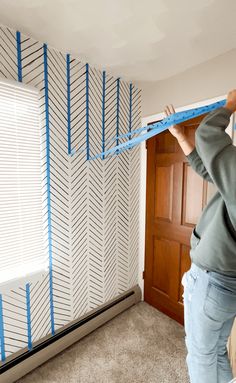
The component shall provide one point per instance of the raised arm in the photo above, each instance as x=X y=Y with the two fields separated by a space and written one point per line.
x=218 y=153
x=188 y=148
x=196 y=163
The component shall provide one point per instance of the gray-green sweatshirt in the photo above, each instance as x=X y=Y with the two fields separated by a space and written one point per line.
x=213 y=239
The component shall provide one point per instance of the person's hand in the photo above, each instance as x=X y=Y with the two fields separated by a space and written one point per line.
x=231 y=101
x=176 y=130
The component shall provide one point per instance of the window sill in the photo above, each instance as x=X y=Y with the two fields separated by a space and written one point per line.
x=12 y=284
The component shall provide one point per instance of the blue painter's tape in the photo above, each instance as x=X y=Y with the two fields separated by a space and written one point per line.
x=130 y=107
x=2 y=340
x=19 y=63
x=117 y=111
x=87 y=109
x=28 y=316
x=128 y=135
x=154 y=129
x=68 y=103
x=103 y=110
x=48 y=186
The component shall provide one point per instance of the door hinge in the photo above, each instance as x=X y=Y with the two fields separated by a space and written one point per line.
x=143 y=274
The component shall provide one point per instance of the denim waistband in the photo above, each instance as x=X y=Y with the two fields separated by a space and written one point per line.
x=224 y=279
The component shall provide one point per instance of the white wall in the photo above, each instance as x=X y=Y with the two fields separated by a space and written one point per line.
x=207 y=80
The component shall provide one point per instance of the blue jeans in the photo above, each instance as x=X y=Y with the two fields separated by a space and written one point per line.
x=209 y=312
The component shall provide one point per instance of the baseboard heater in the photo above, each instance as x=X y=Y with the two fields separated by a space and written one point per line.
x=48 y=347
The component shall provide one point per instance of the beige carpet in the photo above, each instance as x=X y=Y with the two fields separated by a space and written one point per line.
x=140 y=345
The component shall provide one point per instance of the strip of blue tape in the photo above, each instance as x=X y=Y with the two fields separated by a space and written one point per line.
x=117 y=111
x=68 y=103
x=48 y=187
x=3 y=355
x=28 y=316
x=19 y=63
x=103 y=111
x=130 y=108
x=152 y=130
x=87 y=109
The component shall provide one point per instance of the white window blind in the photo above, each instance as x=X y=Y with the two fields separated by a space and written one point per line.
x=21 y=214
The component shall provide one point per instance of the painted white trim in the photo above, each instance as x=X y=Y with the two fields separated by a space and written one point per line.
x=143 y=178
x=142 y=214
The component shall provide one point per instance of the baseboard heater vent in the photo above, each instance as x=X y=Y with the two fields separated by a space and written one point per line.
x=45 y=349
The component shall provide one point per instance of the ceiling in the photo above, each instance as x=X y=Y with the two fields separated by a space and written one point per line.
x=138 y=40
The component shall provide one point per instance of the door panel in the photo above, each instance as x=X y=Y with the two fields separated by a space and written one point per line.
x=192 y=182
x=164 y=252
x=163 y=192
x=176 y=196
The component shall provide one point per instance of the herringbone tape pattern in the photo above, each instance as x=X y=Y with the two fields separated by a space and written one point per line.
x=94 y=204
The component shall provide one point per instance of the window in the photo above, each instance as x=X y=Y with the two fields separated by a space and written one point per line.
x=21 y=213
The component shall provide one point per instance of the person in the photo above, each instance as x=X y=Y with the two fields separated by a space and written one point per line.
x=210 y=283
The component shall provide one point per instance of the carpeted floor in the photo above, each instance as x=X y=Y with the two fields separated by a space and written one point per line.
x=140 y=345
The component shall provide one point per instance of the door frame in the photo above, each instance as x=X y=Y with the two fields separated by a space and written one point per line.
x=143 y=180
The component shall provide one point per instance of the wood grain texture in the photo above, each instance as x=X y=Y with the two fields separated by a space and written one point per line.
x=176 y=196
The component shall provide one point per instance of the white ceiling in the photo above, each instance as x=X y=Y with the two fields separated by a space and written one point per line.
x=139 y=40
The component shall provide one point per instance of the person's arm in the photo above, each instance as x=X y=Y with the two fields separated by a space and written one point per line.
x=196 y=163
x=218 y=153
x=188 y=148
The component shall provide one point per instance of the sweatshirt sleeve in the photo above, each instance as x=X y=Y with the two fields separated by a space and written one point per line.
x=197 y=165
x=218 y=154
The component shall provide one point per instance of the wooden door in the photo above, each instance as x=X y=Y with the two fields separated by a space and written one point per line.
x=176 y=195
